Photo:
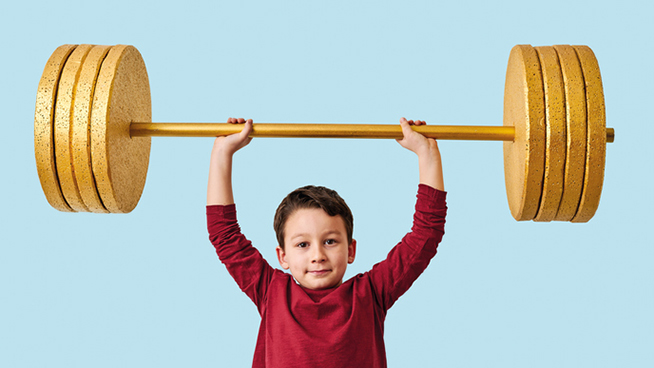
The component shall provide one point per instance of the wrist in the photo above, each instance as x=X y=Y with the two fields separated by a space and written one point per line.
x=430 y=169
x=428 y=158
x=222 y=153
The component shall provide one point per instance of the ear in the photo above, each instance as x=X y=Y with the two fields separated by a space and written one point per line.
x=351 y=251
x=281 y=257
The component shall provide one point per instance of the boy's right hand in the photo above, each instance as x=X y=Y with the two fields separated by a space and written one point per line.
x=219 y=189
x=229 y=144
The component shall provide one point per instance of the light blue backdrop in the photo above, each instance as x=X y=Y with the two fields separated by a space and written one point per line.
x=146 y=289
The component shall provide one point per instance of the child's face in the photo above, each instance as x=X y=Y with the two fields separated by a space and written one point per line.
x=316 y=248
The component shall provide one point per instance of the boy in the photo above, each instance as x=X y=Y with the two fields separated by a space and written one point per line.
x=311 y=318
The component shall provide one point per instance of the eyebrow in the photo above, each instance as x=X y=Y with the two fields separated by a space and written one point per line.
x=326 y=233
x=332 y=232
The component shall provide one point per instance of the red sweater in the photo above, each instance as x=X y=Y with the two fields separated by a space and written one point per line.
x=339 y=327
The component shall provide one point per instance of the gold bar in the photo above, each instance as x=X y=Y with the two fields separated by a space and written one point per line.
x=304 y=130
x=307 y=130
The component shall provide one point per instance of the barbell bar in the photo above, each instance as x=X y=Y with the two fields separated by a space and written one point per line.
x=324 y=130
x=93 y=126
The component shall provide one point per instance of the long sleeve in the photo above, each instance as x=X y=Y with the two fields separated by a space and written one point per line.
x=408 y=259
x=244 y=262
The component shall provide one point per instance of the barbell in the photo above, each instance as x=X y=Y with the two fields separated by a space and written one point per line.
x=92 y=129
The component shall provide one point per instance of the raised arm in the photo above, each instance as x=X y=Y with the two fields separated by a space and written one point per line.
x=219 y=189
x=246 y=265
x=410 y=257
x=429 y=157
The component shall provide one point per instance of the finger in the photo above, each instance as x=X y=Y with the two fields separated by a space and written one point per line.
x=406 y=128
x=404 y=123
x=231 y=120
x=247 y=129
x=241 y=120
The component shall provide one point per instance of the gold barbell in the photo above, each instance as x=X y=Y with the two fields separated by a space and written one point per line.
x=93 y=126
x=313 y=130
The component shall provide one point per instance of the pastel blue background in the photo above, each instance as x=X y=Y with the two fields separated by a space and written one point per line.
x=146 y=289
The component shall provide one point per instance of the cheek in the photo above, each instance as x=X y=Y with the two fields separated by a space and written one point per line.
x=340 y=256
x=296 y=260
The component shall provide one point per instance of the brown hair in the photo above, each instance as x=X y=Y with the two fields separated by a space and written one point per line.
x=312 y=197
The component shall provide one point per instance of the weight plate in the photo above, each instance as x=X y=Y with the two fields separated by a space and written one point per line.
x=44 y=151
x=575 y=98
x=122 y=96
x=596 y=135
x=524 y=108
x=81 y=143
x=555 y=136
x=62 y=127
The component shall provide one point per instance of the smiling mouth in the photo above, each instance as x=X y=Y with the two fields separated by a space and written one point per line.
x=318 y=272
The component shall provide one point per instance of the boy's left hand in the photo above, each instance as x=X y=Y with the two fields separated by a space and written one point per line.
x=414 y=141
x=429 y=157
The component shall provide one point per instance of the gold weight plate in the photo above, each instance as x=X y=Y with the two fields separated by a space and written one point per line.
x=44 y=149
x=122 y=96
x=596 y=135
x=555 y=135
x=524 y=108
x=62 y=127
x=575 y=97
x=81 y=138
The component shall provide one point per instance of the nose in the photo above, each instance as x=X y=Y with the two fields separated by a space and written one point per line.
x=318 y=255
